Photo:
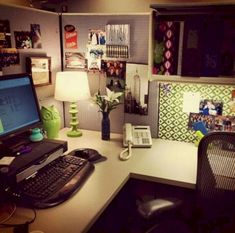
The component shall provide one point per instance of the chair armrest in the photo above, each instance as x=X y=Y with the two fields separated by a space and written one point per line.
x=158 y=206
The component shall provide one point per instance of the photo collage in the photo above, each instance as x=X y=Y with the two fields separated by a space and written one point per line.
x=210 y=113
x=107 y=52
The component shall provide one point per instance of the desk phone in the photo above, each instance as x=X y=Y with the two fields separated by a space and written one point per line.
x=139 y=136
x=135 y=136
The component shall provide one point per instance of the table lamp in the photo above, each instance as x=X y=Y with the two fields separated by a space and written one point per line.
x=72 y=86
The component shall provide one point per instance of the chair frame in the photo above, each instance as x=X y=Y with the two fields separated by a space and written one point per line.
x=214 y=206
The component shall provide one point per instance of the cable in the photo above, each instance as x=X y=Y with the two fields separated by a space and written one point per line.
x=126 y=153
x=10 y=215
x=3 y=224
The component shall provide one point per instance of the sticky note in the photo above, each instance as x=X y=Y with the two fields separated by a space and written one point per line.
x=6 y=160
x=191 y=102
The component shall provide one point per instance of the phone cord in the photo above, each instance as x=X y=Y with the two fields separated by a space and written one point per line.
x=126 y=153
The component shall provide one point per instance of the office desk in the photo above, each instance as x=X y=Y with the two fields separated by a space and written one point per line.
x=168 y=162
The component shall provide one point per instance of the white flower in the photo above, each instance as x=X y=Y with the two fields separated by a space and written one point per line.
x=112 y=96
x=107 y=102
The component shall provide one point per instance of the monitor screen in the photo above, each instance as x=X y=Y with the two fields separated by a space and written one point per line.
x=19 y=109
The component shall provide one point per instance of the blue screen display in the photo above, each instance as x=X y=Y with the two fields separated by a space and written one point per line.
x=18 y=104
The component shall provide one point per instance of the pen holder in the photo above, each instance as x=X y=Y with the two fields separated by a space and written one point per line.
x=36 y=135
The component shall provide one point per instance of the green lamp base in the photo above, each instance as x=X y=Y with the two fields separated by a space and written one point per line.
x=74 y=133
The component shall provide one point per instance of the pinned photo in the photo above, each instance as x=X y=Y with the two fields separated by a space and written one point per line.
x=225 y=123
x=36 y=36
x=211 y=107
x=116 y=74
x=96 y=37
x=75 y=60
x=5 y=34
x=208 y=120
x=23 y=40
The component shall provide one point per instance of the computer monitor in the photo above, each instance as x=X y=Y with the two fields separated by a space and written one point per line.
x=19 y=108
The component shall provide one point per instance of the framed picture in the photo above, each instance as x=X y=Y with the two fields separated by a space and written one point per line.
x=40 y=69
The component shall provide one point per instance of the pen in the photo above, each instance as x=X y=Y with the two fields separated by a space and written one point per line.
x=24 y=150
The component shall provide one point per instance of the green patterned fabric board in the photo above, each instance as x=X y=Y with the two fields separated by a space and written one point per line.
x=173 y=122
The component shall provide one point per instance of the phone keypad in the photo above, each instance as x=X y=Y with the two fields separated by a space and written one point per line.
x=145 y=140
x=141 y=137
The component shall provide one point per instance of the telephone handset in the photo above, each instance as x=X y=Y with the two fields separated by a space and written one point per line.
x=135 y=136
x=127 y=134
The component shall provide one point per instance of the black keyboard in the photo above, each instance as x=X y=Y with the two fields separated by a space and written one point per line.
x=54 y=183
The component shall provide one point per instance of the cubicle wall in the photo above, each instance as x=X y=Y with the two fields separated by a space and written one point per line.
x=139 y=47
x=139 y=31
x=20 y=19
x=166 y=118
x=174 y=121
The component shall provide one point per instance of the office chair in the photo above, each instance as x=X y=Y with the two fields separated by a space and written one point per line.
x=214 y=204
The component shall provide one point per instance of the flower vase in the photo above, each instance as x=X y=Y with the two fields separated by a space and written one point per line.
x=105 y=126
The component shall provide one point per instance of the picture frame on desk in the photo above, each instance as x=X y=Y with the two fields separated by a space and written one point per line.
x=40 y=69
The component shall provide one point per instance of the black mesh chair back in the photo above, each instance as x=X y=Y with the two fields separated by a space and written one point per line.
x=213 y=210
x=216 y=177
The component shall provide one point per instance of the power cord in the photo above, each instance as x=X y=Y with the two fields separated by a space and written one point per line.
x=12 y=211
x=126 y=153
x=18 y=228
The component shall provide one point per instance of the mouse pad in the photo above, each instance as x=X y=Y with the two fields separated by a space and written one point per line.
x=91 y=155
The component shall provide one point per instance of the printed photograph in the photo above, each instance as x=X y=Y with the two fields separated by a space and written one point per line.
x=95 y=51
x=8 y=57
x=117 y=34
x=96 y=37
x=211 y=107
x=136 y=91
x=208 y=120
x=36 y=36
x=40 y=68
x=23 y=40
x=115 y=72
x=5 y=34
x=93 y=64
x=225 y=123
x=75 y=60
x=213 y=123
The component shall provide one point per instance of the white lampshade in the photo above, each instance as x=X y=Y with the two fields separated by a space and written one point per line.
x=71 y=86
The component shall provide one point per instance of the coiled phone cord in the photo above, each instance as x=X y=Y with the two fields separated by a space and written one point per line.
x=126 y=153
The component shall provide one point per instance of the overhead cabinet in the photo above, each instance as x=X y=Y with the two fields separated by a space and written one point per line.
x=194 y=40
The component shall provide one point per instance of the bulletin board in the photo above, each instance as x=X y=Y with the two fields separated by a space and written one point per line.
x=172 y=121
x=83 y=23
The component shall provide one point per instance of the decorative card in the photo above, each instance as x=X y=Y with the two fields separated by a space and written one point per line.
x=136 y=91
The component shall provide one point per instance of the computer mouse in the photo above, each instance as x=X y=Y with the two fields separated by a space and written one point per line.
x=89 y=154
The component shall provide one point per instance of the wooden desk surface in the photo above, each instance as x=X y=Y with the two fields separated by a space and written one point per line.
x=168 y=162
